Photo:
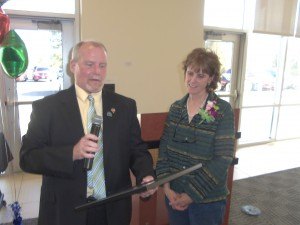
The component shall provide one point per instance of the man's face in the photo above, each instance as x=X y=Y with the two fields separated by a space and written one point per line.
x=90 y=68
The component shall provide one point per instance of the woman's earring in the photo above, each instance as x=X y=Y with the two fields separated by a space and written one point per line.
x=208 y=88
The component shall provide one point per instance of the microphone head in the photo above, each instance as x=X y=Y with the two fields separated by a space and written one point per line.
x=97 y=120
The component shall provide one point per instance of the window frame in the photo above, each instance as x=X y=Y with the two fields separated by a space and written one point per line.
x=25 y=20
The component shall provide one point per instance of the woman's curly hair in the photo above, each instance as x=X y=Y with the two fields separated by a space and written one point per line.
x=206 y=61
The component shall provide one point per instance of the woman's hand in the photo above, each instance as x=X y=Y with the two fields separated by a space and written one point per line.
x=182 y=202
x=171 y=195
x=177 y=201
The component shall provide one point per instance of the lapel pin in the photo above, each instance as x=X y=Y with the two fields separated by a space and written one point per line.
x=113 y=110
x=109 y=114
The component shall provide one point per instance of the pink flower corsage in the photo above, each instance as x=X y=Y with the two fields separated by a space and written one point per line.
x=210 y=113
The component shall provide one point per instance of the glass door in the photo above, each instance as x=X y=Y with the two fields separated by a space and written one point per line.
x=289 y=109
x=46 y=73
x=262 y=88
x=228 y=47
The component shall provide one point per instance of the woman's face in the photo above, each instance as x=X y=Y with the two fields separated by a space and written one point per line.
x=196 y=81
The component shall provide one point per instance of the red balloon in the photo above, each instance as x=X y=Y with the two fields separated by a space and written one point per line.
x=4 y=24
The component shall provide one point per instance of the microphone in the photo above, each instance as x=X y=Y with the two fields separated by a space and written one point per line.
x=95 y=129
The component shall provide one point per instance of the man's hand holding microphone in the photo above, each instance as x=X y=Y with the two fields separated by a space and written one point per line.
x=88 y=145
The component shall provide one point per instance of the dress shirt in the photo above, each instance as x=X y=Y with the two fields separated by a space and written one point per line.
x=83 y=102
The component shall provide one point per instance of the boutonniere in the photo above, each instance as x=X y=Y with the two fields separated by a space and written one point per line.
x=111 y=112
x=210 y=113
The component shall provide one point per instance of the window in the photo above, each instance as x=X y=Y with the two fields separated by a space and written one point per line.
x=42 y=76
x=48 y=38
x=291 y=82
x=230 y=14
x=53 y=6
x=270 y=96
x=268 y=80
x=227 y=46
x=288 y=123
x=262 y=68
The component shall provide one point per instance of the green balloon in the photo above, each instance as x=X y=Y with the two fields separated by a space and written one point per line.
x=13 y=55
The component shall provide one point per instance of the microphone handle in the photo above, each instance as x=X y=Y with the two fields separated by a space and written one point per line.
x=88 y=163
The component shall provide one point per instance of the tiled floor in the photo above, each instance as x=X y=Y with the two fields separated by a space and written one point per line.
x=253 y=161
x=21 y=187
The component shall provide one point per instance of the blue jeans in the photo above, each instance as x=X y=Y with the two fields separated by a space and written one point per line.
x=198 y=214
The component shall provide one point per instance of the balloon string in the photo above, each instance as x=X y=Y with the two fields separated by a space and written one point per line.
x=15 y=119
x=12 y=179
x=3 y=124
x=5 y=130
x=3 y=94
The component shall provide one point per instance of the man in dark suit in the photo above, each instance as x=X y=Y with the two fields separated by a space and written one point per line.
x=57 y=142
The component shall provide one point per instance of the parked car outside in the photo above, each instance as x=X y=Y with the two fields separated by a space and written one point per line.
x=60 y=74
x=41 y=74
x=225 y=80
x=22 y=77
x=261 y=80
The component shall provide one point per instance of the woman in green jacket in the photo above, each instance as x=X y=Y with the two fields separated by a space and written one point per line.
x=199 y=129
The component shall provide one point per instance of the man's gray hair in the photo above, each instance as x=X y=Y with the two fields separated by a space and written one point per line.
x=76 y=48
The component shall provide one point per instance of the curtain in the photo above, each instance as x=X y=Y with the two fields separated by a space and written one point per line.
x=275 y=17
x=298 y=23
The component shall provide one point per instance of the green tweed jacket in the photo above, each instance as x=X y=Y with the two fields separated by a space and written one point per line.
x=211 y=143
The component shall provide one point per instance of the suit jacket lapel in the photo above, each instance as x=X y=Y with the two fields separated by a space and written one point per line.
x=109 y=106
x=71 y=112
